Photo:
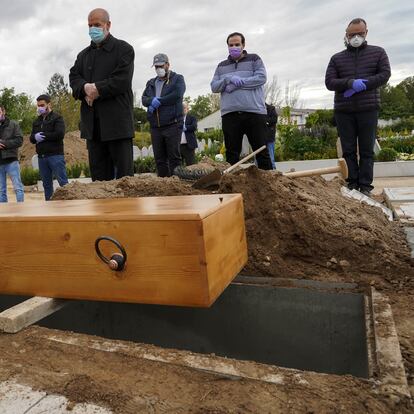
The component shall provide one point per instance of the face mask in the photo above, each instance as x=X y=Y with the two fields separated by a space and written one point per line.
x=160 y=72
x=356 y=41
x=42 y=110
x=2 y=118
x=97 y=34
x=235 y=52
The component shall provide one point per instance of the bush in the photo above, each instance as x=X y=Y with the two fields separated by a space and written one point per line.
x=387 y=154
x=214 y=135
x=142 y=139
x=76 y=170
x=29 y=176
x=145 y=165
x=86 y=170
x=399 y=144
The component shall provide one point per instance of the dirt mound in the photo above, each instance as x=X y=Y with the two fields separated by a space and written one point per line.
x=299 y=228
x=74 y=146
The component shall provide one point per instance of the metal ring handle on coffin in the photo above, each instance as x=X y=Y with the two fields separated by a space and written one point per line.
x=118 y=260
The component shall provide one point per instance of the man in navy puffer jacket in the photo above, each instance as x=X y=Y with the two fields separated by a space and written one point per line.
x=355 y=74
x=163 y=96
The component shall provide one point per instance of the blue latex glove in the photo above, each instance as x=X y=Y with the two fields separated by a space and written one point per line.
x=359 y=85
x=151 y=109
x=348 y=93
x=230 y=88
x=155 y=103
x=39 y=137
x=237 y=80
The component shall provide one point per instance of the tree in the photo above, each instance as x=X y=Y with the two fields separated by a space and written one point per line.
x=63 y=102
x=320 y=117
x=140 y=118
x=394 y=102
x=292 y=94
x=19 y=107
x=201 y=106
x=407 y=85
x=273 y=93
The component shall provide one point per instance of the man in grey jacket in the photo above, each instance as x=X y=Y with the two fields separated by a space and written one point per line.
x=240 y=80
x=11 y=139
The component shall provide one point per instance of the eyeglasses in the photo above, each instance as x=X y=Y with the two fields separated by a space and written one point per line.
x=361 y=34
x=235 y=44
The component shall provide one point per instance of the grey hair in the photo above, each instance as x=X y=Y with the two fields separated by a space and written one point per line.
x=104 y=13
x=357 y=20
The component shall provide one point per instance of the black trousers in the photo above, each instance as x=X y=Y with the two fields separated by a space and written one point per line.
x=166 y=146
x=187 y=154
x=357 y=130
x=235 y=125
x=109 y=160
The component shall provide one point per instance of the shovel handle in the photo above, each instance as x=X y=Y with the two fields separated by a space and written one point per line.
x=247 y=157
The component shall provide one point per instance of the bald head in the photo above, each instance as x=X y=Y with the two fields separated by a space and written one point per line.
x=102 y=14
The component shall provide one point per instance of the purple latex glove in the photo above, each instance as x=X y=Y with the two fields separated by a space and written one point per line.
x=359 y=85
x=155 y=103
x=348 y=93
x=39 y=137
x=151 y=109
x=230 y=88
x=237 y=81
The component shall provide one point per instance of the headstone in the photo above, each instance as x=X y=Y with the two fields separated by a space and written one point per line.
x=245 y=146
x=150 y=151
x=209 y=143
x=35 y=162
x=144 y=151
x=136 y=153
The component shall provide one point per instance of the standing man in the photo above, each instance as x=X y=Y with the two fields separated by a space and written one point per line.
x=355 y=74
x=11 y=139
x=271 y=121
x=102 y=79
x=163 y=96
x=240 y=80
x=188 y=142
x=48 y=131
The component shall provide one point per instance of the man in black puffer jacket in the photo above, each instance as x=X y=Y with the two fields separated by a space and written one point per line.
x=48 y=131
x=163 y=96
x=355 y=74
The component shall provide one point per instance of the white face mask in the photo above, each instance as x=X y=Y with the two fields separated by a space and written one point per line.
x=356 y=41
x=160 y=72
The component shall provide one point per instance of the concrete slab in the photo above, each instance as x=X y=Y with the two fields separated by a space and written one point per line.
x=16 y=398
x=409 y=231
x=404 y=211
x=402 y=194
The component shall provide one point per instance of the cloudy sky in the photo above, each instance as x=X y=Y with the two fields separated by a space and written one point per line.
x=295 y=38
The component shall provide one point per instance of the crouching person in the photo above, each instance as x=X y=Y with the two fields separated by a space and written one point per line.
x=48 y=131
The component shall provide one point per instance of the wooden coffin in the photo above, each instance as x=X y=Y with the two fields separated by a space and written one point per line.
x=181 y=250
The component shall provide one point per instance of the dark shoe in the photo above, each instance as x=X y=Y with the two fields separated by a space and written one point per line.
x=366 y=193
x=352 y=187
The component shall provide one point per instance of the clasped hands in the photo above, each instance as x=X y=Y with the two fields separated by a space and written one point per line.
x=358 y=85
x=235 y=82
x=91 y=93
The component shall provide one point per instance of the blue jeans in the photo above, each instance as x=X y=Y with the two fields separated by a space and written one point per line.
x=11 y=169
x=271 y=148
x=52 y=166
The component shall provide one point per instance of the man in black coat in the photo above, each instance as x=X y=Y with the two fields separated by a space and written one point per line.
x=188 y=142
x=48 y=131
x=163 y=96
x=355 y=74
x=271 y=121
x=102 y=79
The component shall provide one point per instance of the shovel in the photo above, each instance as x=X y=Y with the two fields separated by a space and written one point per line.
x=214 y=177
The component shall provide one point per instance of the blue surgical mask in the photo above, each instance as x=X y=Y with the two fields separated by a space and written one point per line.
x=41 y=110
x=97 y=34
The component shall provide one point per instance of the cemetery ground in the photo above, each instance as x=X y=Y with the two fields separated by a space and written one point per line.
x=297 y=229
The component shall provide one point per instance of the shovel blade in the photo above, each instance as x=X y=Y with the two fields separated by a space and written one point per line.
x=208 y=180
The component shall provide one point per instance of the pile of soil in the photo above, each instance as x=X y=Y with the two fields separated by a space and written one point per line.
x=296 y=228
x=74 y=147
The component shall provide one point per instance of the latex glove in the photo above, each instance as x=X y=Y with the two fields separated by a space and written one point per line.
x=91 y=91
x=39 y=137
x=230 y=88
x=237 y=80
x=359 y=85
x=151 y=109
x=348 y=93
x=155 y=103
x=184 y=128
